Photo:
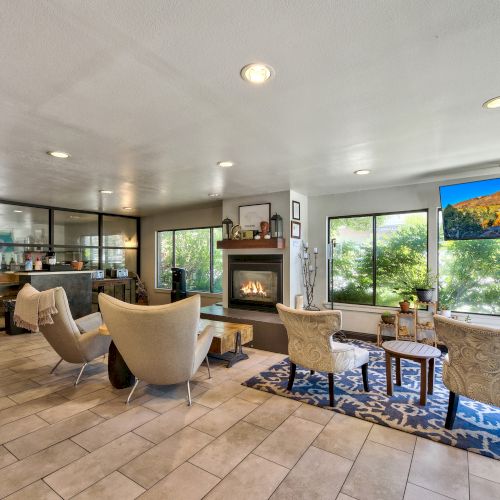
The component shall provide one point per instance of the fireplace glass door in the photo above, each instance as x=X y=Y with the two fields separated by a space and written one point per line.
x=257 y=286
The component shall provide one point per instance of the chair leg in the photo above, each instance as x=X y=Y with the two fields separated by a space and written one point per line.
x=57 y=364
x=452 y=410
x=189 y=394
x=311 y=372
x=133 y=389
x=364 y=371
x=331 y=389
x=80 y=374
x=293 y=368
x=208 y=366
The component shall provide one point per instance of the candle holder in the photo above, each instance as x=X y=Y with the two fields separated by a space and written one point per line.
x=309 y=271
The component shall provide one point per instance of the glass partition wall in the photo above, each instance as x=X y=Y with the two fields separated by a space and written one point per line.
x=101 y=241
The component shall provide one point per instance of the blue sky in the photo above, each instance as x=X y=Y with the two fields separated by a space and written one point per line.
x=460 y=192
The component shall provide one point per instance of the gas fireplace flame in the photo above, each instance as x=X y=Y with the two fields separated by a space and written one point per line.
x=253 y=289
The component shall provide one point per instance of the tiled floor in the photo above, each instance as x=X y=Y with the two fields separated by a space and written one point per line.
x=234 y=442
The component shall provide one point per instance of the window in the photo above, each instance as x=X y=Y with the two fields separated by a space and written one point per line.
x=373 y=253
x=469 y=274
x=194 y=250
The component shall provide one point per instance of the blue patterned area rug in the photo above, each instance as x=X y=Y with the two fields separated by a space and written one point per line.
x=476 y=428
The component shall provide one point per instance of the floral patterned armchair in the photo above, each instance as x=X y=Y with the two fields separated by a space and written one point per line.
x=472 y=366
x=311 y=346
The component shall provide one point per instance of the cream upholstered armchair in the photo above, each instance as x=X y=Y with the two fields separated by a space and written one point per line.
x=472 y=366
x=160 y=344
x=311 y=346
x=75 y=341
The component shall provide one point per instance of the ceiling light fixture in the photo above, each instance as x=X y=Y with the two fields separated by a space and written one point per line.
x=74 y=217
x=225 y=164
x=256 y=73
x=492 y=103
x=105 y=191
x=58 y=154
x=362 y=172
x=18 y=211
x=214 y=195
x=127 y=208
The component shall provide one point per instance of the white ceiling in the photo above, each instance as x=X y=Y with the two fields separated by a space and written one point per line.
x=146 y=96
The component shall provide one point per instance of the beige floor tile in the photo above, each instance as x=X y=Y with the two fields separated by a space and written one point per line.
x=289 y=441
x=35 y=491
x=482 y=489
x=6 y=402
x=75 y=406
x=170 y=422
x=414 y=492
x=22 y=473
x=378 y=472
x=6 y=458
x=254 y=396
x=342 y=496
x=344 y=436
x=273 y=412
x=39 y=391
x=117 y=406
x=113 y=428
x=179 y=484
x=20 y=427
x=393 y=438
x=221 y=456
x=485 y=467
x=86 y=386
x=217 y=421
x=15 y=387
x=29 y=408
x=253 y=479
x=116 y=486
x=163 y=458
x=161 y=404
x=82 y=473
x=52 y=434
x=177 y=391
x=219 y=394
x=440 y=468
x=318 y=474
x=314 y=413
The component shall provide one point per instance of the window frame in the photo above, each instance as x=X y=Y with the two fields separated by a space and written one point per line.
x=374 y=251
x=211 y=256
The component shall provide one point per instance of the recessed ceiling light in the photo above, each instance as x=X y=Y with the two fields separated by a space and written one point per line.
x=127 y=208
x=105 y=191
x=362 y=172
x=18 y=211
x=214 y=195
x=225 y=164
x=256 y=73
x=492 y=103
x=58 y=154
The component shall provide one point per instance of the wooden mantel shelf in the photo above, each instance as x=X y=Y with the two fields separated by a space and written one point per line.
x=242 y=244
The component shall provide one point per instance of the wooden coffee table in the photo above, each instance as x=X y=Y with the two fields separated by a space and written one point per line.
x=414 y=351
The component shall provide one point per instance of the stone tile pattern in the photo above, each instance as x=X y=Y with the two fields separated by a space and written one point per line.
x=234 y=442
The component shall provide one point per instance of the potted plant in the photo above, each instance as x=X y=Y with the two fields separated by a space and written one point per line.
x=425 y=284
x=388 y=318
x=405 y=305
x=445 y=311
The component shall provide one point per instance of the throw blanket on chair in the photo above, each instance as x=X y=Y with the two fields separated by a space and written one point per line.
x=34 y=308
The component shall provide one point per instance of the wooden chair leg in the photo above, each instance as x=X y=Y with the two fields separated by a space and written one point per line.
x=331 y=389
x=364 y=371
x=293 y=368
x=312 y=372
x=452 y=410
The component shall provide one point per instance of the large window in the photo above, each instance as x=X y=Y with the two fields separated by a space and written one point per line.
x=469 y=274
x=194 y=250
x=373 y=253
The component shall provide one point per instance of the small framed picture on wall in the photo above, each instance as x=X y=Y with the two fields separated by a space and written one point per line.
x=295 y=230
x=296 y=210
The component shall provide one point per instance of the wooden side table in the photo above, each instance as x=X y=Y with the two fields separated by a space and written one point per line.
x=414 y=351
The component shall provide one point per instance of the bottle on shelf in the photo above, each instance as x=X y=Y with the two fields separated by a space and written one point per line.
x=38 y=264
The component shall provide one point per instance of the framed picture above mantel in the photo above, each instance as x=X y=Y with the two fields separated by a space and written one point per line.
x=252 y=215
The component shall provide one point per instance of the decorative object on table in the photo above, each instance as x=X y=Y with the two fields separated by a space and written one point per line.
x=236 y=232
x=141 y=291
x=98 y=274
x=247 y=235
x=77 y=265
x=296 y=210
x=39 y=264
x=227 y=227
x=295 y=229
x=299 y=301
x=388 y=318
x=405 y=306
x=51 y=259
x=252 y=215
x=28 y=263
x=264 y=229
x=277 y=226
x=444 y=311
x=309 y=271
x=476 y=428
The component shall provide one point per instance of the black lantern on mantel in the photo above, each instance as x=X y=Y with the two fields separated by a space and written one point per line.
x=227 y=227
x=277 y=226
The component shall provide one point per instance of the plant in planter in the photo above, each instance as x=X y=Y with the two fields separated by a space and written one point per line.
x=445 y=311
x=419 y=281
x=388 y=318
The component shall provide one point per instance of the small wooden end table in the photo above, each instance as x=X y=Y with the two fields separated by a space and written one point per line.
x=414 y=351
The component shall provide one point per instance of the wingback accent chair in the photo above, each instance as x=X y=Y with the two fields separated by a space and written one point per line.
x=311 y=346
x=471 y=368
x=75 y=341
x=160 y=344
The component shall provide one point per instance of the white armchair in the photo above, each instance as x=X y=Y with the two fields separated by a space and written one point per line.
x=472 y=366
x=311 y=346
x=160 y=344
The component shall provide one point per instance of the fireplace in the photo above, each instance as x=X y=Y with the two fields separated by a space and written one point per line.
x=255 y=281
